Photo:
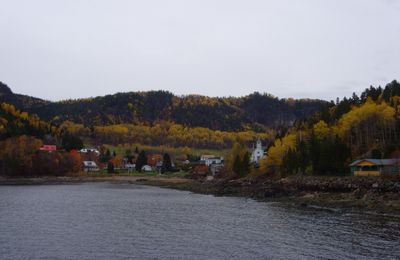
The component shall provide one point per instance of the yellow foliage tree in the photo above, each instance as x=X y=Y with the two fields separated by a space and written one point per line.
x=321 y=129
x=276 y=152
x=238 y=150
x=367 y=126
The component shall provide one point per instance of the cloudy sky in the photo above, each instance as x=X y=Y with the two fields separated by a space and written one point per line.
x=59 y=49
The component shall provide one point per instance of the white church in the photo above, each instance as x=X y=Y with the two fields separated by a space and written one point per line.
x=258 y=152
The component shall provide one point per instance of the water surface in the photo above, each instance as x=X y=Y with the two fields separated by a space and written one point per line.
x=123 y=221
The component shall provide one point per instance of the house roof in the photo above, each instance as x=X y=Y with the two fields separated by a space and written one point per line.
x=89 y=164
x=48 y=148
x=207 y=156
x=378 y=162
x=215 y=158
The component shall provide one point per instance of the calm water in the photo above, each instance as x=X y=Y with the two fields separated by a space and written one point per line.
x=113 y=221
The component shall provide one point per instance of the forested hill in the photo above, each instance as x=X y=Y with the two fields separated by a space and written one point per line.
x=256 y=111
x=359 y=127
x=20 y=101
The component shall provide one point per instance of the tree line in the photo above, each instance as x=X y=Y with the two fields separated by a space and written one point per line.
x=257 y=111
x=365 y=126
x=326 y=143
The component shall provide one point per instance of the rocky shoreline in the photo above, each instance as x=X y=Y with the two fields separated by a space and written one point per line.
x=381 y=195
x=368 y=194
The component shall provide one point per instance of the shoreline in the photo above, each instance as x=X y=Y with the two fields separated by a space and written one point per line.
x=375 y=195
x=61 y=180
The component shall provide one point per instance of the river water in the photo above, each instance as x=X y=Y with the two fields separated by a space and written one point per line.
x=125 y=221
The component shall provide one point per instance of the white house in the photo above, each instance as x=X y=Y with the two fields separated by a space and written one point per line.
x=130 y=167
x=147 y=168
x=211 y=159
x=258 y=152
x=204 y=157
x=88 y=150
x=216 y=168
x=90 y=166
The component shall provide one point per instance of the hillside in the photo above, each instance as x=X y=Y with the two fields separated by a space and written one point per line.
x=22 y=102
x=256 y=111
x=15 y=123
x=359 y=127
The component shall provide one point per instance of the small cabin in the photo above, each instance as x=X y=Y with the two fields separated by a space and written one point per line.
x=375 y=167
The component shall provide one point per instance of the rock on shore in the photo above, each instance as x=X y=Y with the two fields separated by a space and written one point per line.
x=371 y=193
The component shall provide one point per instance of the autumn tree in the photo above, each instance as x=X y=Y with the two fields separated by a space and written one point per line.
x=238 y=160
x=368 y=126
x=278 y=150
x=16 y=155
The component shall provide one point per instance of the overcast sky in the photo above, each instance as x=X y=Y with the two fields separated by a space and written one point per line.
x=57 y=49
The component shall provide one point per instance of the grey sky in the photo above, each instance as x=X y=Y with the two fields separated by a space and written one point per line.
x=290 y=48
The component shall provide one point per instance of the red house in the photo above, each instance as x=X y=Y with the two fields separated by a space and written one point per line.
x=153 y=159
x=48 y=148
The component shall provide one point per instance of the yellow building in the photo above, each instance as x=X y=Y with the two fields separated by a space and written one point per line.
x=375 y=167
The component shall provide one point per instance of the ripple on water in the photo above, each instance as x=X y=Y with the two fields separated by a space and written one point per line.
x=115 y=221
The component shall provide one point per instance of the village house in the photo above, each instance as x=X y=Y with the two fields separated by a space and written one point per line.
x=375 y=167
x=48 y=148
x=89 y=166
x=200 y=170
x=153 y=159
x=130 y=167
x=257 y=153
x=90 y=150
x=159 y=167
x=147 y=168
x=211 y=159
x=216 y=168
x=206 y=156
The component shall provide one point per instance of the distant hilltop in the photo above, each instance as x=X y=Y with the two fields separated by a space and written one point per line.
x=255 y=111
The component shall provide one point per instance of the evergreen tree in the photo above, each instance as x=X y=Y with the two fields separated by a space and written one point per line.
x=237 y=165
x=303 y=156
x=376 y=154
x=128 y=155
x=141 y=161
x=355 y=99
x=167 y=164
x=110 y=167
x=71 y=142
x=246 y=166
x=105 y=156
x=290 y=163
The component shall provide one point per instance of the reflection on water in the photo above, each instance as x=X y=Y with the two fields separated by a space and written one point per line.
x=114 y=221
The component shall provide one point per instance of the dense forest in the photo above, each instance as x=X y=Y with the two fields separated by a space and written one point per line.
x=253 y=112
x=13 y=122
x=164 y=134
x=365 y=126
